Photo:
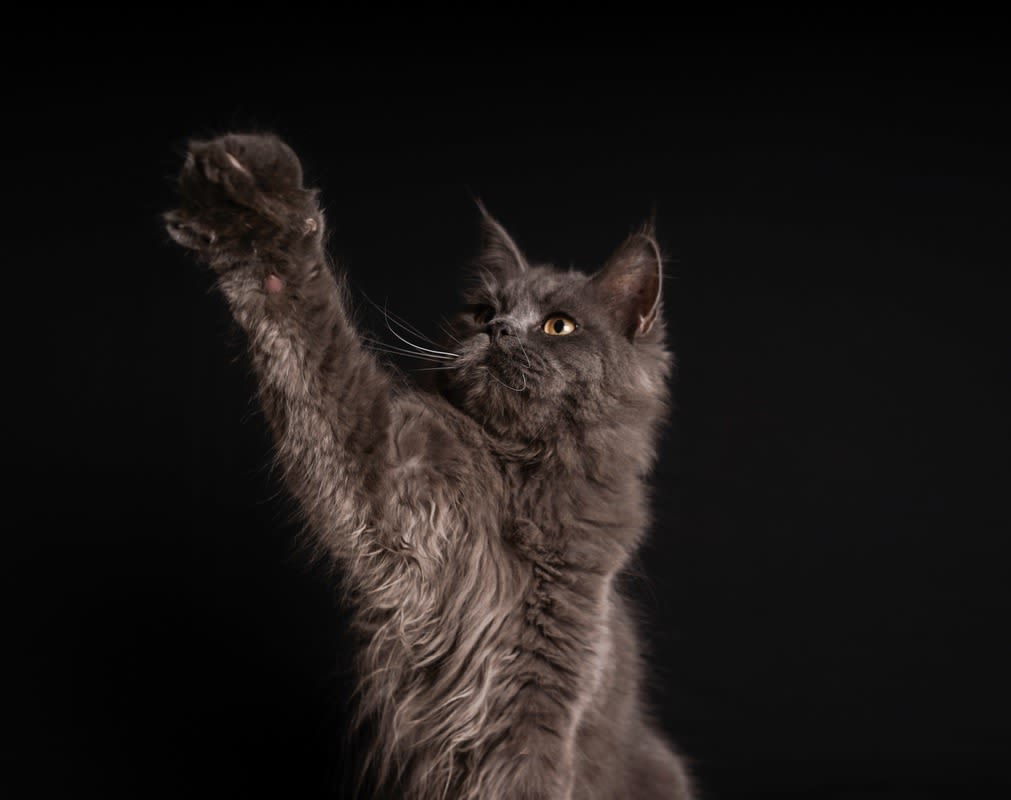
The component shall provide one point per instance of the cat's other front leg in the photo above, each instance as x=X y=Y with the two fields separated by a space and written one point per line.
x=245 y=212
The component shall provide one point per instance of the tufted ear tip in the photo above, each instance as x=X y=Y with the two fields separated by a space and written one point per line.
x=631 y=283
x=499 y=253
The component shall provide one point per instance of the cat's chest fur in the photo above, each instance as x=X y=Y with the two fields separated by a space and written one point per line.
x=449 y=490
x=507 y=632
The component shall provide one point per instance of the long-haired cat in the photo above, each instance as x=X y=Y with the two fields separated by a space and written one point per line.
x=480 y=525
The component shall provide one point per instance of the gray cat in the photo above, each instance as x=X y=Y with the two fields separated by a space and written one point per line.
x=481 y=526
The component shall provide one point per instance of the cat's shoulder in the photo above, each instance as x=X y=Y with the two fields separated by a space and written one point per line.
x=426 y=426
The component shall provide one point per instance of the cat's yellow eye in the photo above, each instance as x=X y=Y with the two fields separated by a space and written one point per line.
x=558 y=325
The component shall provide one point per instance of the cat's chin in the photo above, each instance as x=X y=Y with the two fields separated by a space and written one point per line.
x=484 y=373
x=486 y=385
x=506 y=374
x=493 y=395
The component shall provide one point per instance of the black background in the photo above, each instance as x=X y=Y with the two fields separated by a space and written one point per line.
x=825 y=590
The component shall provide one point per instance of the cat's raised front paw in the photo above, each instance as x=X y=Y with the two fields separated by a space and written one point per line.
x=246 y=168
x=243 y=201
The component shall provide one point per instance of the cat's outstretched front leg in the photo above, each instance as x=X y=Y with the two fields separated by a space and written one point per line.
x=245 y=212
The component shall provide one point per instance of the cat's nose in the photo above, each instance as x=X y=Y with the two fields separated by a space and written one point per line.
x=498 y=328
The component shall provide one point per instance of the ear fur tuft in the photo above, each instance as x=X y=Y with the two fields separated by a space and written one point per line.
x=499 y=253
x=631 y=283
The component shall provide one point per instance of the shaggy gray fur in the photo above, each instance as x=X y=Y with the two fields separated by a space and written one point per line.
x=481 y=526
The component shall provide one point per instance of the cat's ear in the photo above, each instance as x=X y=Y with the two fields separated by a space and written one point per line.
x=499 y=253
x=631 y=283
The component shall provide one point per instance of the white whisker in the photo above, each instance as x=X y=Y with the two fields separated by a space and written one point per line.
x=507 y=386
x=437 y=369
x=373 y=344
x=445 y=329
x=524 y=351
x=419 y=347
x=390 y=317
x=400 y=321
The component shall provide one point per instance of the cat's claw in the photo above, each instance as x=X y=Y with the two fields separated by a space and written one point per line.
x=188 y=232
x=235 y=163
x=263 y=160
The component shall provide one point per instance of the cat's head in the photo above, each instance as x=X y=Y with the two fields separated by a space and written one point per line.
x=549 y=355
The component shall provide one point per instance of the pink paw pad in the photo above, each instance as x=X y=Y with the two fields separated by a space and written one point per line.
x=273 y=284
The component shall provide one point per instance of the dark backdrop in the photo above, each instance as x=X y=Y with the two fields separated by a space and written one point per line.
x=825 y=590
